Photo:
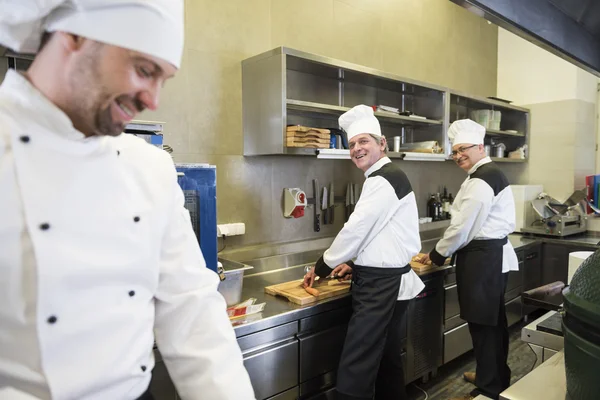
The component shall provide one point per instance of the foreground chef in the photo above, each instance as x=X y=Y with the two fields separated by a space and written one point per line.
x=383 y=235
x=483 y=214
x=96 y=248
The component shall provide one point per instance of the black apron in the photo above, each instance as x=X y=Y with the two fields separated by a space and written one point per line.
x=480 y=281
x=375 y=312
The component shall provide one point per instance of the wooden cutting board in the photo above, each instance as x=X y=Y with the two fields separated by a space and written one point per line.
x=295 y=293
x=418 y=267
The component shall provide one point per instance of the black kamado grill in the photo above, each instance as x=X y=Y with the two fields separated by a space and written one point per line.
x=581 y=329
x=580 y=312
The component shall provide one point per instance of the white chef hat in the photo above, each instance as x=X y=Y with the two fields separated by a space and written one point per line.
x=466 y=131
x=359 y=119
x=154 y=27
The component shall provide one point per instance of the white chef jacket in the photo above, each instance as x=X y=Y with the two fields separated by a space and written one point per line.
x=479 y=213
x=383 y=230
x=96 y=251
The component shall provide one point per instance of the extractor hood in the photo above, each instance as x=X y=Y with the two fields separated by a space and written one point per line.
x=569 y=29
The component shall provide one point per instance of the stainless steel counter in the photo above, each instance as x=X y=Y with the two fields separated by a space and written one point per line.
x=548 y=382
x=279 y=311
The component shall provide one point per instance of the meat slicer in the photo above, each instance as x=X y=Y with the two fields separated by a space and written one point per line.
x=554 y=218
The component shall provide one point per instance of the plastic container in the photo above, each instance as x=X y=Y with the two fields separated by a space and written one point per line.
x=232 y=280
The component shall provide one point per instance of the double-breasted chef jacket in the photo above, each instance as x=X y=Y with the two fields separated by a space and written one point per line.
x=97 y=261
x=483 y=215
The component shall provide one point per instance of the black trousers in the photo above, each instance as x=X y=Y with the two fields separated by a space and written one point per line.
x=490 y=344
x=371 y=365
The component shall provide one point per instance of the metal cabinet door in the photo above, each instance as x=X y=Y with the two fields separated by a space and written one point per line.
x=271 y=359
x=320 y=352
x=555 y=259
x=291 y=394
x=532 y=268
x=451 y=307
x=457 y=342
x=273 y=369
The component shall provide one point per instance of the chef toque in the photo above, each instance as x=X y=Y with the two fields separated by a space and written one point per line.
x=466 y=131
x=359 y=119
x=154 y=27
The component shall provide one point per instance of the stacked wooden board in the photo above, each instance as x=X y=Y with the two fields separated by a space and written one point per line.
x=304 y=136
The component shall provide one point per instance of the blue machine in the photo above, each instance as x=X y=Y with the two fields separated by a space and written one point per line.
x=199 y=185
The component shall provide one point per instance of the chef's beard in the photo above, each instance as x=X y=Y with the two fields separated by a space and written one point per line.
x=104 y=123
x=91 y=100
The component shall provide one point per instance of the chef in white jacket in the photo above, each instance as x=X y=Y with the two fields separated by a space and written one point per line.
x=382 y=235
x=97 y=255
x=483 y=215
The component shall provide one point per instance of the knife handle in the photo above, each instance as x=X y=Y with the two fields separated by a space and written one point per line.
x=317 y=222
x=325 y=216
x=331 y=214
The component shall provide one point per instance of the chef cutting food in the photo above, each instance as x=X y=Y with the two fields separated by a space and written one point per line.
x=382 y=235
x=483 y=214
x=98 y=259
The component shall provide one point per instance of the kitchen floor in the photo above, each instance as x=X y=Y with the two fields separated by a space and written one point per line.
x=449 y=381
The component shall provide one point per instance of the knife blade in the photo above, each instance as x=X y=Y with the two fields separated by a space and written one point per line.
x=331 y=203
x=317 y=221
x=348 y=199
x=324 y=206
x=352 y=198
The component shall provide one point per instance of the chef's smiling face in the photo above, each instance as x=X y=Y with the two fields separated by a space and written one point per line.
x=365 y=151
x=466 y=155
x=108 y=86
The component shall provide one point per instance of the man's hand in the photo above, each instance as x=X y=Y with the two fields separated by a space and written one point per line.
x=309 y=278
x=341 y=270
x=423 y=259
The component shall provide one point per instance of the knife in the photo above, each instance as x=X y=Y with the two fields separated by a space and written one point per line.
x=324 y=206
x=331 y=202
x=352 y=197
x=348 y=199
x=317 y=222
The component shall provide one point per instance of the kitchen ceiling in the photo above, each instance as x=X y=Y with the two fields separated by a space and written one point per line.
x=569 y=29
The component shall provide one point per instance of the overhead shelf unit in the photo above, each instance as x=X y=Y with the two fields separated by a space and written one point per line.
x=285 y=87
x=512 y=128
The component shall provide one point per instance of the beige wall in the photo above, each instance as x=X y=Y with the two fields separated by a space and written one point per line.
x=562 y=100
x=431 y=40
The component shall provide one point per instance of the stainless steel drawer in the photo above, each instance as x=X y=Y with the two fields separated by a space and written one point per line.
x=514 y=311
x=453 y=322
x=457 y=342
x=273 y=369
x=320 y=352
x=267 y=337
x=450 y=279
x=513 y=294
x=291 y=394
x=451 y=307
x=515 y=279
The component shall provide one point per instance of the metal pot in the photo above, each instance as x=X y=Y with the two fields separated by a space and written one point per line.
x=499 y=150
x=488 y=149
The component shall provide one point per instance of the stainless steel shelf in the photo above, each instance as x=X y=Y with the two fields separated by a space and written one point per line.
x=494 y=132
x=508 y=160
x=309 y=106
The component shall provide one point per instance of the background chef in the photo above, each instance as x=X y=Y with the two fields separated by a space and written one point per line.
x=383 y=235
x=483 y=215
